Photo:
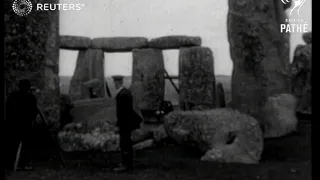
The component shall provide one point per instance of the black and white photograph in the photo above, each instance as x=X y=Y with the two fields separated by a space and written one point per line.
x=157 y=89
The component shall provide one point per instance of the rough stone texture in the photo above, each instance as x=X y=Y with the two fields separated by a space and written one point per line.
x=99 y=136
x=222 y=135
x=260 y=53
x=280 y=116
x=78 y=137
x=220 y=96
x=196 y=78
x=307 y=37
x=90 y=65
x=160 y=134
x=174 y=42
x=119 y=44
x=31 y=50
x=301 y=69
x=148 y=69
x=74 y=42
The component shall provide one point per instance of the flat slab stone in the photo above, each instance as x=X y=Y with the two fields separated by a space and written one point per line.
x=119 y=44
x=74 y=42
x=174 y=42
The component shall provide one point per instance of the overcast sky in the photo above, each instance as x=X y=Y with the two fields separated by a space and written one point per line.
x=154 y=18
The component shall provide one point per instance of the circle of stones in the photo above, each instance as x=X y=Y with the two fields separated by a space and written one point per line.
x=22 y=11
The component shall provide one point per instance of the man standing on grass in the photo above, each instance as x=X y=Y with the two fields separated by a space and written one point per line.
x=127 y=121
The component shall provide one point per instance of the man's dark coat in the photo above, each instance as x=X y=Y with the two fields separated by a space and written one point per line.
x=128 y=119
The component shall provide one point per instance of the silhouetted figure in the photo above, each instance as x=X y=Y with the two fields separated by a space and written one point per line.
x=92 y=93
x=21 y=110
x=127 y=121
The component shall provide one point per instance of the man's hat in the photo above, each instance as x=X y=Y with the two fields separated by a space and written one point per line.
x=118 y=77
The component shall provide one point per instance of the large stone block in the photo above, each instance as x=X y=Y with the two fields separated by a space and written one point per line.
x=174 y=42
x=90 y=65
x=119 y=44
x=280 y=116
x=148 y=78
x=37 y=58
x=260 y=53
x=197 y=80
x=221 y=135
x=301 y=69
x=74 y=42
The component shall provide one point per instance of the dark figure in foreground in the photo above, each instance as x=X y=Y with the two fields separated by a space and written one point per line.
x=127 y=121
x=21 y=111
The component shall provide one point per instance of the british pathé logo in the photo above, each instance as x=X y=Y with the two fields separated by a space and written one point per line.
x=22 y=7
x=294 y=25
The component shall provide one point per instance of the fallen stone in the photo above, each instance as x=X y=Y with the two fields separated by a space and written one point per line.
x=74 y=42
x=307 y=37
x=174 y=42
x=301 y=69
x=196 y=78
x=140 y=135
x=260 y=54
x=280 y=116
x=221 y=135
x=144 y=144
x=160 y=134
x=119 y=44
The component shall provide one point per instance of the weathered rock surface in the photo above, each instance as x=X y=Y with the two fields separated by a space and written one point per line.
x=260 y=53
x=144 y=144
x=99 y=137
x=307 y=37
x=78 y=137
x=160 y=134
x=119 y=44
x=197 y=80
x=222 y=135
x=90 y=65
x=301 y=69
x=174 y=42
x=75 y=42
x=148 y=78
x=37 y=58
x=280 y=116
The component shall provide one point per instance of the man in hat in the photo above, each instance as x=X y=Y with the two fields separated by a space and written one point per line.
x=127 y=121
x=21 y=110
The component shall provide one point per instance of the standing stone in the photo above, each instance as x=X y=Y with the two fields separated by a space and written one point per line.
x=260 y=53
x=220 y=96
x=197 y=80
x=32 y=51
x=301 y=78
x=90 y=65
x=148 y=78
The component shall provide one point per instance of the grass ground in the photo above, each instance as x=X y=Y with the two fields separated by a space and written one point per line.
x=287 y=158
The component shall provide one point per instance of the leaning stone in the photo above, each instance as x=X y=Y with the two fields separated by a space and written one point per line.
x=74 y=42
x=196 y=78
x=148 y=78
x=119 y=44
x=222 y=135
x=174 y=42
x=280 y=116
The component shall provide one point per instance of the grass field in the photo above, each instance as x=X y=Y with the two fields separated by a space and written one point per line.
x=286 y=158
